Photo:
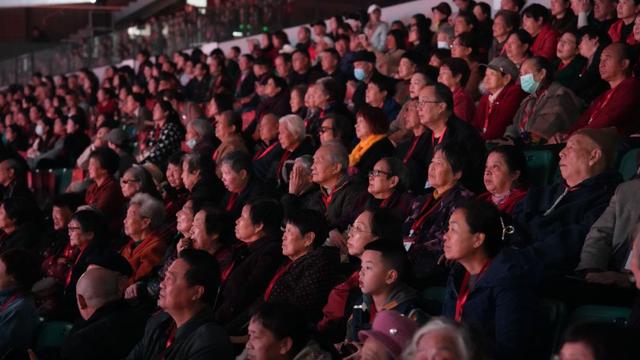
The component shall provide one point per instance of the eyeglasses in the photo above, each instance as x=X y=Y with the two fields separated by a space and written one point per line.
x=127 y=181
x=74 y=228
x=355 y=229
x=377 y=173
x=324 y=129
x=425 y=102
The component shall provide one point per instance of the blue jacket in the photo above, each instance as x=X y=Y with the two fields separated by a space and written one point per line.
x=501 y=304
x=18 y=321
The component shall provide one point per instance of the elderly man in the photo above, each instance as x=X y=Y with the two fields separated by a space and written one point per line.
x=185 y=329
x=145 y=248
x=435 y=110
x=617 y=106
x=556 y=218
x=339 y=194
x=110 y=326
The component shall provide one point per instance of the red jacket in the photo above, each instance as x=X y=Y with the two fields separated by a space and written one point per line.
x=498 y=115
x=145 y=255
x=463 y=105
x=615 y=107
x=545 y=43
x=615 y=33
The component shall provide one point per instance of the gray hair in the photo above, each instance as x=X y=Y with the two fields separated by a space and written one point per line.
x=338 y=154
x=305 y=161
x=150 y=208
x=295 y=125
x=203 y=128
x=460 y=337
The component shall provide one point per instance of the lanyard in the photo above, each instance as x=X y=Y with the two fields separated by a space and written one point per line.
x=433 y=137
x=602 y=105
x=464 y=291
x=284 y=158
x=265 y=152
x=283 y=269
x=70 y=271
x=414 y=143
x=13 y=298
x=430 y=205
x=485 y=126
x=233 y=197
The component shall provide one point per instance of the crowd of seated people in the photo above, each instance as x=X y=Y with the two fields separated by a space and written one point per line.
x=296 y=202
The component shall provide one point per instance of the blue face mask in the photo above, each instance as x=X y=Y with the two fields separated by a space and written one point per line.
x=529 y=84
x=359 y=74
x=191 y=143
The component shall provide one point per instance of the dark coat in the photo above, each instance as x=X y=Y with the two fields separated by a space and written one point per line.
x=589 y=84
x=558 y=237
x=339 y=208
x=207 y=191
x=199 y=338
x=308 y=281
x=253 y=190
x=501 y=304
x=253 y=266
x=110 y=333
x=418 y=161
x=428 y=239
x=399 y=204
x=309 y=199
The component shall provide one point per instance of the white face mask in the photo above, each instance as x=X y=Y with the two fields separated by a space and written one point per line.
x=443 y=45
x=39 y=130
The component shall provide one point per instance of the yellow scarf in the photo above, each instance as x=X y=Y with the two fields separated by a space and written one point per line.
x=362 y=147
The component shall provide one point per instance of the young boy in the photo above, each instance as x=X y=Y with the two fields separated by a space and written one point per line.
x=383 y=273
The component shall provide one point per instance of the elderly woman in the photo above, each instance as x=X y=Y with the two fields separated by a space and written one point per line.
x=306 y=279
x=303 y=192
x=165 y=137
x=505 y=177
x=398 y=128
x=425 y=227
x=464 y=47
x=501 y=299
x=174 y=194
x=198 y=178
x=549 y=107
x=138 y=180
x=254 y=263
x=440 y=338
x=388 y=185
x=294 y=143
x=518 y=47
x=145 y=247
x=200 y=137
x=371 y=130
x=329 y=95
x=370 y=225
x=18 y=314
x=239 y=181
x=209 y=233
x=504 y=23
x=455 y=73
x=228 y=131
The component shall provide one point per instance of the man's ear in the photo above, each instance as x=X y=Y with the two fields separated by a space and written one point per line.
x=82 y=302
x=285 y=345
x=595 y=156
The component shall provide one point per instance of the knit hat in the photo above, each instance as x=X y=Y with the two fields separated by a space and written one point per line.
x=391 y=329
x=117 y=137
x=606 y=139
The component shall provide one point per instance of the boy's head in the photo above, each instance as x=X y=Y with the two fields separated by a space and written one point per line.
x=383 y=265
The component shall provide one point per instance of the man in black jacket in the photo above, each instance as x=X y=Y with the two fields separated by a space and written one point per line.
x=186 y=329
x=110 y=327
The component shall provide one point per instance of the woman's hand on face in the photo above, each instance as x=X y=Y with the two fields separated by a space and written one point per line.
x=298 y=180
x=184 y=243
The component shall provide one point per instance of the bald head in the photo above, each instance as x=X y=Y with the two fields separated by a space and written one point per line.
x=616 y=62
x=97 y=287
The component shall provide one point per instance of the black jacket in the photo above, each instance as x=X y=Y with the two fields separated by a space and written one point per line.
x=199 y=338
x=377 y=151
x=253 y=267
x=416 y=162
x=110 y=333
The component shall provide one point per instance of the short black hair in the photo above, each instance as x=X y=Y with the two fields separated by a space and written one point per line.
x=284 y=320
x=203 y=271
x=20 y=210
x=537 y=12
x=484 y=217
x=108 y=159
x=386 y=226
x=511 y=18
x=443 y=93
x=69 y=200
x=606 y=340
x=23 y=266
x=455 y=157
x=238 y=161
x=310 y=221
x=458 y=67
x=516 y=161
x=267 y=212
x=394 y=256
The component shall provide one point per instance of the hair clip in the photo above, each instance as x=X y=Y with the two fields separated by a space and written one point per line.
x=506 y=230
